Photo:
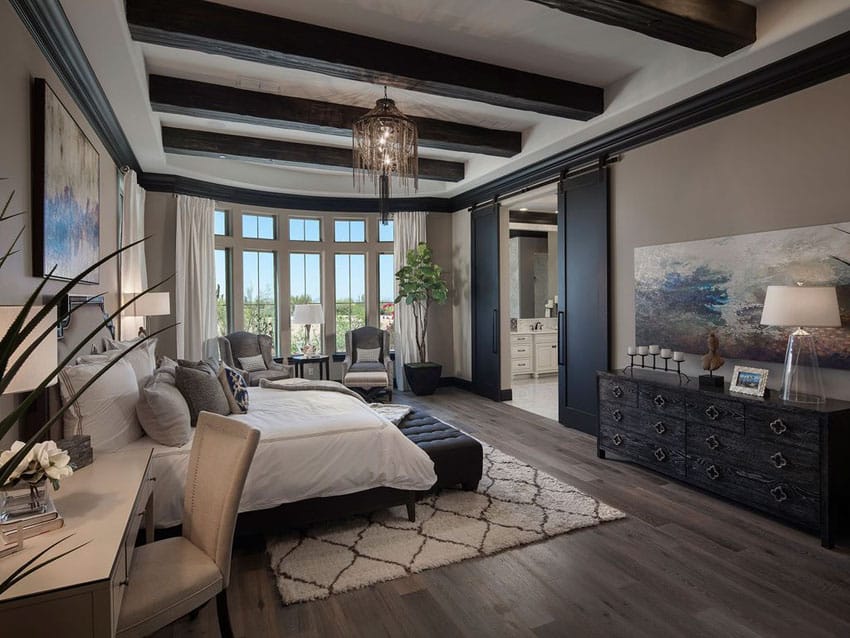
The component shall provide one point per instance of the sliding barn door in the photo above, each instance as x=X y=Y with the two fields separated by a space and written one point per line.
x=583 y=323
x=486 y=362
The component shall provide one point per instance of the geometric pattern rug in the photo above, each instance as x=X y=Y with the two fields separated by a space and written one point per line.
x=515 y=504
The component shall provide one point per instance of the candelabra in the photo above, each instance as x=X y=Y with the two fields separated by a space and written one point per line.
x=655 y=351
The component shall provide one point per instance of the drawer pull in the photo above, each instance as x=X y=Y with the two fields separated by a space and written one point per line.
x=779 y=461
x=778 y=426
x=617 y=439
x=713 y=473
x=659 y=401
x=660 y=454
x=712 y=442
x=617 y=391
x=618 y=416
x=712 y=413
x=779 y=494
x=660 y=428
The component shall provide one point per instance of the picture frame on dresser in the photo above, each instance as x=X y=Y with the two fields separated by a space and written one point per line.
x=749 y=381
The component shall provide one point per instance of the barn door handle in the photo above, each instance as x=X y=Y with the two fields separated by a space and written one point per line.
x=562 y=329
x=495 y=326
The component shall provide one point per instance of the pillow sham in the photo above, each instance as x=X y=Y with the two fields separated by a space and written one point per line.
x=106 y=411
x=368 y=355
x=141 y=359
x=163 y=412
x=203 y=392
x=234 y=388
x=252 y=364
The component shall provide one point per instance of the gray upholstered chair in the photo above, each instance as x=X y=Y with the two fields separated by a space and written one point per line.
x=236 y=345
x=171 y=578
x=371 y=377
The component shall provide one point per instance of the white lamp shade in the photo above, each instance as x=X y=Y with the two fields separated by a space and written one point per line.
x=308 y=313
x=42 y=362
x=151 y=304
x=810 y=306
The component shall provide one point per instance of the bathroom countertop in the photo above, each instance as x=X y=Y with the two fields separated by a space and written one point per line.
x=544 y=331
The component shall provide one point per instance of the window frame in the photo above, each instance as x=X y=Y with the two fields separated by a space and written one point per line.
x=349 y=220
x=275 y=231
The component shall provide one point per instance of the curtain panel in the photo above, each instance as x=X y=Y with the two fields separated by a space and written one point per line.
x=134 y=273
x=409 y=230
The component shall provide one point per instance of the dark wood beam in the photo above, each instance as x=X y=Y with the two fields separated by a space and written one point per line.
x=717 y=26
x=213 y=101
x=533 y=217
x=208 y=144
x=246 y=35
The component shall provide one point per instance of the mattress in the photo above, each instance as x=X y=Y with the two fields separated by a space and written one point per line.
x=312 y=444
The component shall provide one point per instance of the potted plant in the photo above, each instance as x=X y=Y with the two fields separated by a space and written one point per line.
x=420 y=284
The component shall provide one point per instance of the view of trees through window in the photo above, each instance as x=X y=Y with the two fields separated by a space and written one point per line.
x=350 y=307
x=386 y=293
x=222 y=292
x=259 y=304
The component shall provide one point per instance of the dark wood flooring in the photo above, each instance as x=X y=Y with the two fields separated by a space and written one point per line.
x=682 y=564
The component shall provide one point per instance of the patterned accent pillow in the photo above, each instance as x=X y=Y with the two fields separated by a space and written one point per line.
x=253 y=364
x=368 y=355
x=234 y=389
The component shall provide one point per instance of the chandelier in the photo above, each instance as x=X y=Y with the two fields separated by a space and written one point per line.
x=385 y=151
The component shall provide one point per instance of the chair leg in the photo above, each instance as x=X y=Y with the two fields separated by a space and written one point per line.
x=223 y=615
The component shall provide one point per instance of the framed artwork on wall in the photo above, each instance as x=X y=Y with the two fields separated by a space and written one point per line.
x=65 y=191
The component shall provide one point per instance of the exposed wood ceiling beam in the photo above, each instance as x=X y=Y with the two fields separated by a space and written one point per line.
x=246 y=35
x=207 y=144
x=532 y=217
x=717 y=26
x=212 y=101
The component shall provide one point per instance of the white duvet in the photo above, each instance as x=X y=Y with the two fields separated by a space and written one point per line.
x=312 y=444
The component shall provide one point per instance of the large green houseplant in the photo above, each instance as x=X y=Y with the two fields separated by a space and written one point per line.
x=420 y=285
x=24 y=325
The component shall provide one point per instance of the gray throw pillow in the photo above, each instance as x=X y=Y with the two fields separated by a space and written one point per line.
x=368 y=355
x=202 y=392
x=163 y=412
x=210 y=366
x=254 y=363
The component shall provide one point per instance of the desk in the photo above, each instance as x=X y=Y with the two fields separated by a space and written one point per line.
x=80 y=594
x=322 y=360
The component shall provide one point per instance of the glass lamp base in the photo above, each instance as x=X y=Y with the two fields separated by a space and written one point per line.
x=801 y=378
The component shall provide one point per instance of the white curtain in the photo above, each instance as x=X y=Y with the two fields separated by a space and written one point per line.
x=134 y=274
x=194 y=298
x=409 y=231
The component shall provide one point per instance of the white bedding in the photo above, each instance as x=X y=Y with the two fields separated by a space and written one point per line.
x=312 y=444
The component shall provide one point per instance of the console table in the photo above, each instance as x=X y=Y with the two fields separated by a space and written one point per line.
x=785 y=459
x=80 y=594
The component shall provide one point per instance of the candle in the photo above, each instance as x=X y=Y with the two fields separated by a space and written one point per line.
x=666 y=353
x=643 y=350
x=654 y=349
x=631 y=350
x=678 y=356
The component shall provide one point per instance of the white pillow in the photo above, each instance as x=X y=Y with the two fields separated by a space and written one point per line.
x=106 y=411
x=142 y=359
x=252 y=364
x=163 y=412
x=368 y=355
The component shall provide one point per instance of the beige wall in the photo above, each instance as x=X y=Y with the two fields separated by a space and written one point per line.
x=22 y=61
x=779 y=165
x=461 y=309
x=160 y=253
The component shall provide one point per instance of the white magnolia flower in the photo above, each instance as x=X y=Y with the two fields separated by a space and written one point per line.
x=43 y=459
x=6 y=455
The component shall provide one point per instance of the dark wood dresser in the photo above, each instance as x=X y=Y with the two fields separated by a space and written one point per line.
x=788 y=460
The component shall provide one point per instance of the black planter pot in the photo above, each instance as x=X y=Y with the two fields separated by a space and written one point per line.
x=423 y=378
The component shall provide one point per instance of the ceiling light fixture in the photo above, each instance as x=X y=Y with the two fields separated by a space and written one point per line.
x=384 y=144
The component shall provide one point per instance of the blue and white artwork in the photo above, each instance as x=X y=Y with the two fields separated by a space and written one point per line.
x=685 y=290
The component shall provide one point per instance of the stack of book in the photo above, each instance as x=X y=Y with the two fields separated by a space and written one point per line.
x=31 y=523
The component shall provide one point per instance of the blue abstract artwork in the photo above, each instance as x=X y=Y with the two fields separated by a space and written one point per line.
x=685 y=290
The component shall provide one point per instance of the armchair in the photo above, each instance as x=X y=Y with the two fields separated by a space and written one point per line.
x=369 y=376
x=238 y=345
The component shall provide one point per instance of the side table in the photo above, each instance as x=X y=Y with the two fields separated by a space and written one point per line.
x=299 y=361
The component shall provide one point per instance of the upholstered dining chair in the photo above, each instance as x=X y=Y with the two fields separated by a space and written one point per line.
x=367 y=368
x=237 y=346
x=171 y=578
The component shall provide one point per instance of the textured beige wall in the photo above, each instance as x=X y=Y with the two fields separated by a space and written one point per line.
x=160 y=253
x=461 y=310
x=780 y=165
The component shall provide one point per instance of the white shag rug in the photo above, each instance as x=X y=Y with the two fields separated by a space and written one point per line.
x=515 y=504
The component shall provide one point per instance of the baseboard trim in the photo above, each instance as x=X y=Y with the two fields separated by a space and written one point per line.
x=506 y=395
x=455 y=382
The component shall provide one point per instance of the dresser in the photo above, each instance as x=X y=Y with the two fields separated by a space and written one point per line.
x=787 y=460
x=104 y=505
x=534 y=353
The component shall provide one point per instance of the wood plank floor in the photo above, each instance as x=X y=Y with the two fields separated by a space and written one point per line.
x=682 y=564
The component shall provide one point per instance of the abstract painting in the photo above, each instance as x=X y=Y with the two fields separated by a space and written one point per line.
x=66 y=191
x=685 y=290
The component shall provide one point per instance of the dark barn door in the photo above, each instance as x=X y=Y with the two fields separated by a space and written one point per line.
x=583 y=323
x=486 y=363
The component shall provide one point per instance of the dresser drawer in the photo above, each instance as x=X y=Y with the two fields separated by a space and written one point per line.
x=618 y=390
x=663 y=428
x=521 y=339
x=717 y=412
x=790 y=428
x=639 y=448
x=521 y=350
x=548 y=339
x=661 y=400
x=521 y=365
x=620 y=416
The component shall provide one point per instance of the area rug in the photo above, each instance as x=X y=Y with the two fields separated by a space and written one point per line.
x=515 y=504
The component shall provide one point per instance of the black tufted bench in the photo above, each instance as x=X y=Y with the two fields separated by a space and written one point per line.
x=458 y=458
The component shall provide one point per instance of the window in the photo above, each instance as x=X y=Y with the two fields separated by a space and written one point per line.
x=305 y=286
x=258 y=226
x=222 y=290
x=386 y=295
x=385 y=231
x=349 y=230
x=222 y=223
x=350 y=310
x=259 y=293
x=304 y=230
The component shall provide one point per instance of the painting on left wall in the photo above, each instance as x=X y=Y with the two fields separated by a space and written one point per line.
x=65 y=191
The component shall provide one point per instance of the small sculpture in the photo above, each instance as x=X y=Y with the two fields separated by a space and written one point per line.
x=711 y=361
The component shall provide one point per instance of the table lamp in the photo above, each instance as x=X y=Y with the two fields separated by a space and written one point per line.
x=799 y=306
x=308 y=314
x=150 y=304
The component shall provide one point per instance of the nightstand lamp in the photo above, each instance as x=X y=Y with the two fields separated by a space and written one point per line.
x=308 y=314
x=151 y=304
x=798 y=306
